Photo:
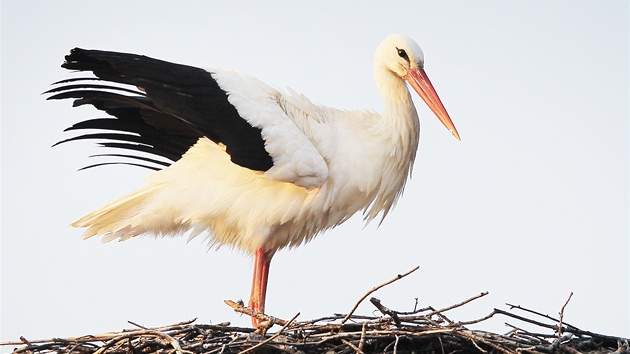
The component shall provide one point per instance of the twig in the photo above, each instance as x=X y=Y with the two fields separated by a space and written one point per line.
x=362 y=340
x=416 y=310
x=385 y=311
x=561 y=313
x=477 y=346
x=356 y=349
x=137 y=325
x=565 y=349
x=276 y=335
x=448 y=308
x=541 y=315
x=249 y=312
x=519 y=307
x=98 y=337
x=172 y=341
x=468 y=323
x=398 y=277
x=477 y=338
x=524 y=319
x=533 y=338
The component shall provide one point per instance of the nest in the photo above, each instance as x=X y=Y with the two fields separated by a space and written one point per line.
x=425 y=330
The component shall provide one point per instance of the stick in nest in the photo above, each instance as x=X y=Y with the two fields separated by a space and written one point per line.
x=272 y=337
x=269 y=320
x=561 y=313
x=440 y=311
x=399 y=276
x=385 y=311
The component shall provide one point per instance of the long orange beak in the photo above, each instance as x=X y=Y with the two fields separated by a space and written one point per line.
x=420 y=82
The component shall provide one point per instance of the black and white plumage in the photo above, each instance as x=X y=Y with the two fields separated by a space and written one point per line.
x=252 y=166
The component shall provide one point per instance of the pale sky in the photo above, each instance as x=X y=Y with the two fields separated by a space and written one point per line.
x=531 y=205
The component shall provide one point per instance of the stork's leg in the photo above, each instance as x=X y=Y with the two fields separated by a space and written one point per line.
x=259 y=283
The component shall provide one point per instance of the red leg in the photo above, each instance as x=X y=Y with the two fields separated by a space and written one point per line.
x=259 y=283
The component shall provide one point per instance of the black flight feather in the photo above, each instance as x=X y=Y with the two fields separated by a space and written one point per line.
x=174 y=107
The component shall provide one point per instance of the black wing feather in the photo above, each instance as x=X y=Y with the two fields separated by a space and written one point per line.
x=178 y=105
x=119 y=163
x=141 y=158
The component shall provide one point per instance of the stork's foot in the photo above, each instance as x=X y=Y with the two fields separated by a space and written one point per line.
x=260 y=321
x=257 y=312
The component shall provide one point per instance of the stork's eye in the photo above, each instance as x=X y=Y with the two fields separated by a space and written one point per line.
x=403 y=54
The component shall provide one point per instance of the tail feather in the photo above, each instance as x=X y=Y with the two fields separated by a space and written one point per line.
x=114 y=220
x=232 y=205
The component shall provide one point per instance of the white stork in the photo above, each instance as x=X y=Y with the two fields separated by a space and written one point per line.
x=252 y=167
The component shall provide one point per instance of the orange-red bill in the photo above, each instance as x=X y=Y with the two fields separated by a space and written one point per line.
x=419 y=80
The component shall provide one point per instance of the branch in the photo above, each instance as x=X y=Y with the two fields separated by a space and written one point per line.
x=249 y=312
x=562 y=316
x=436 y=312
x=385 y=311
x=399 y=276
x=272 y=337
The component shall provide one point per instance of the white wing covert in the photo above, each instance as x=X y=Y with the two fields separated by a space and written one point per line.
x=295 y=158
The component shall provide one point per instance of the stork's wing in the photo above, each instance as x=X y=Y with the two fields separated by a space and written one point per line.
x=178 y=104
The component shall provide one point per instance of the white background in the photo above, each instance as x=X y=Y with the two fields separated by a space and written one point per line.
x=531 y=204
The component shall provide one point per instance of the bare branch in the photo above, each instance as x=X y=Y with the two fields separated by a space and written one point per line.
x=561 y=313
x=398 y=277
x=272 y=337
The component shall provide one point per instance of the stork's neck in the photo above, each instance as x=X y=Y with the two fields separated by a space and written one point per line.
x=399 y=112
x=399 y=129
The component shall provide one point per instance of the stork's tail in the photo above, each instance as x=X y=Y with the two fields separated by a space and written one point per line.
x=120 y=218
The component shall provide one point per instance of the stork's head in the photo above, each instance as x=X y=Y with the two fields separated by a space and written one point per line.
x=401 y=57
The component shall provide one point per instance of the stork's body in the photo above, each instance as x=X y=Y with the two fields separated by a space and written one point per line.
x=254 y=167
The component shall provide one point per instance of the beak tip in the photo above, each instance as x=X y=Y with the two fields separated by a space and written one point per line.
x=456 y=134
